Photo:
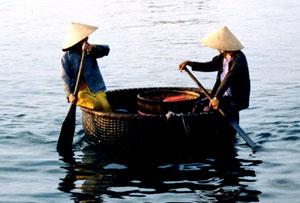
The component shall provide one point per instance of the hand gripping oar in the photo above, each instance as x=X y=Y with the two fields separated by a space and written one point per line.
x=65 y=139
x=233 y=123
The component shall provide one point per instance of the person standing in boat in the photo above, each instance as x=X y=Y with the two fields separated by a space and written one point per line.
x=231 y=91
x=92 y=87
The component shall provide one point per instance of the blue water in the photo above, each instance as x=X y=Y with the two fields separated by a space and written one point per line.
x=147 y=39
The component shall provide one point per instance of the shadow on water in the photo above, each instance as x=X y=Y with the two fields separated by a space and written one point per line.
x=142 y=174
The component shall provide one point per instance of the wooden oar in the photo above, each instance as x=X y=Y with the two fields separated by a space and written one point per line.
x=65 y=139
x=233 y=123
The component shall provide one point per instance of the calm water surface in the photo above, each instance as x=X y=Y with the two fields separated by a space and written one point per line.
x=147 y=39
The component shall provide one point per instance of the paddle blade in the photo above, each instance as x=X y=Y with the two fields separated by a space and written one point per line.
x=243 y=134
x=65 y=139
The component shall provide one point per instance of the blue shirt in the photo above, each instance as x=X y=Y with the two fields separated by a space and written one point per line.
x=91 y=74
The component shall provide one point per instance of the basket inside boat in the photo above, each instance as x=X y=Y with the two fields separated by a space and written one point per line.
x=163 y=101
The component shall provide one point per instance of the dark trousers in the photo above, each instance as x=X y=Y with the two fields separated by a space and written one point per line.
x=226 y=131
x=226 y=104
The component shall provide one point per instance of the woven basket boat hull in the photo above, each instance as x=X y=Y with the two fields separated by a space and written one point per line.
x=134 y=129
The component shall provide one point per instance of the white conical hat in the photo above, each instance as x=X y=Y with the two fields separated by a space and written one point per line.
x=222 y=39
x=77 y=32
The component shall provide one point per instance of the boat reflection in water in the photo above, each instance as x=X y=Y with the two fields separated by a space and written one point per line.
x=148 y=174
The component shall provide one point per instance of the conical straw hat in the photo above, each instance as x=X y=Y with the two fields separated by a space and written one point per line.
x=77 y=32
x=222 y=39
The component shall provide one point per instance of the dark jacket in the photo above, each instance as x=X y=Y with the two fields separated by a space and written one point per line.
x=237 y=78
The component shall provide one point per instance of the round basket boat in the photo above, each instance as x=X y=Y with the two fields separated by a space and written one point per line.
x=126 y=125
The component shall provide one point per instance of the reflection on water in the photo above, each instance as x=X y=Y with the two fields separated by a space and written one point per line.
x=190 y=176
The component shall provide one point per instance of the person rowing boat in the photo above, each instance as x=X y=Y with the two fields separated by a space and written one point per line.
x=231 y=91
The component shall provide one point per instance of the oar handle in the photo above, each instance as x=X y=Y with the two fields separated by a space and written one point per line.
x=76 y=89
x=202 y=88
x=198 y=83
